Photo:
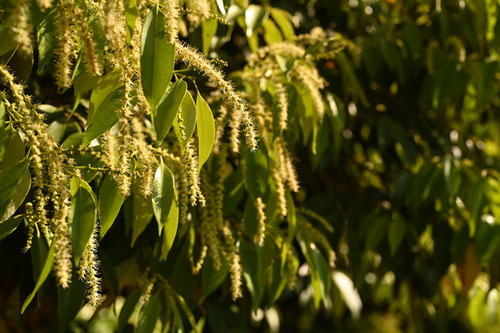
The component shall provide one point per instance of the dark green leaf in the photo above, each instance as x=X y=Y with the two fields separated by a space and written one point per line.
x=149 y=314
x=128 y=309
x=211 y=279
x=82 y=216
x=47 y=266
x=162 y=195
x=8 y=226
x=157 y=58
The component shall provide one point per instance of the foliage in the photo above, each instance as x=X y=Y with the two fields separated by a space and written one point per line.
x=154 y=194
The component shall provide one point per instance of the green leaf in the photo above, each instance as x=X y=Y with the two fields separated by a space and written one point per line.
x=13 y=150
x=319 y=271
x=2 y=129
x=69 y=302
x=254 y=15
x=170 y=227
x=8 y=226
x=20 y=194
x=130 y=18
x=9 y=181
x=206 y=130
x=110 y=201
x=211 y=279
x=256 y=172
x=168 y=108
x=163 y=194
x=377 y=231
x=283 y=22
x=272 y=34
x=157 y=58
x=397 y=230
x=82 y=216
x=47 y=266
x=142 y=214
x=209 y=29
x=188 y=112
x=104 y=117
x=128 y=309
x=149 y=314
x=46 y=39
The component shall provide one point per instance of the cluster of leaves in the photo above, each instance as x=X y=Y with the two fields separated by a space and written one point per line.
x=139 y=144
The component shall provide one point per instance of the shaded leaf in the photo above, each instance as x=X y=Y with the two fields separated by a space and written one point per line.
x=47 y=266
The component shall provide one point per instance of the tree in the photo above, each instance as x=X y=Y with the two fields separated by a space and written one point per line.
x=336 y=167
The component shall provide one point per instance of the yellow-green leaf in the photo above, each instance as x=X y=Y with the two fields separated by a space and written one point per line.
x=206 y=130
x=170 y=227
x=168 y=107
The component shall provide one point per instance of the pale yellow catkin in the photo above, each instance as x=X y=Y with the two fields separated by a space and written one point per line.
x=282 y=105
x=199 y=62
x=67 y=50
x=89 y=270
x=261 y=219
x=44 y=4
x=30 y=219
x=171 y=9
x=20 y=24
x=89 y=54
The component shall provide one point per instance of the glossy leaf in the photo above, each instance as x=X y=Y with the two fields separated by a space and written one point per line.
x=110 y=201
x=9 y=181
x=157 y=58
x=82 y=216
x=168 y=108
x=8 y=226
x=20 y=194
x=170 y=228
x=206 y=130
